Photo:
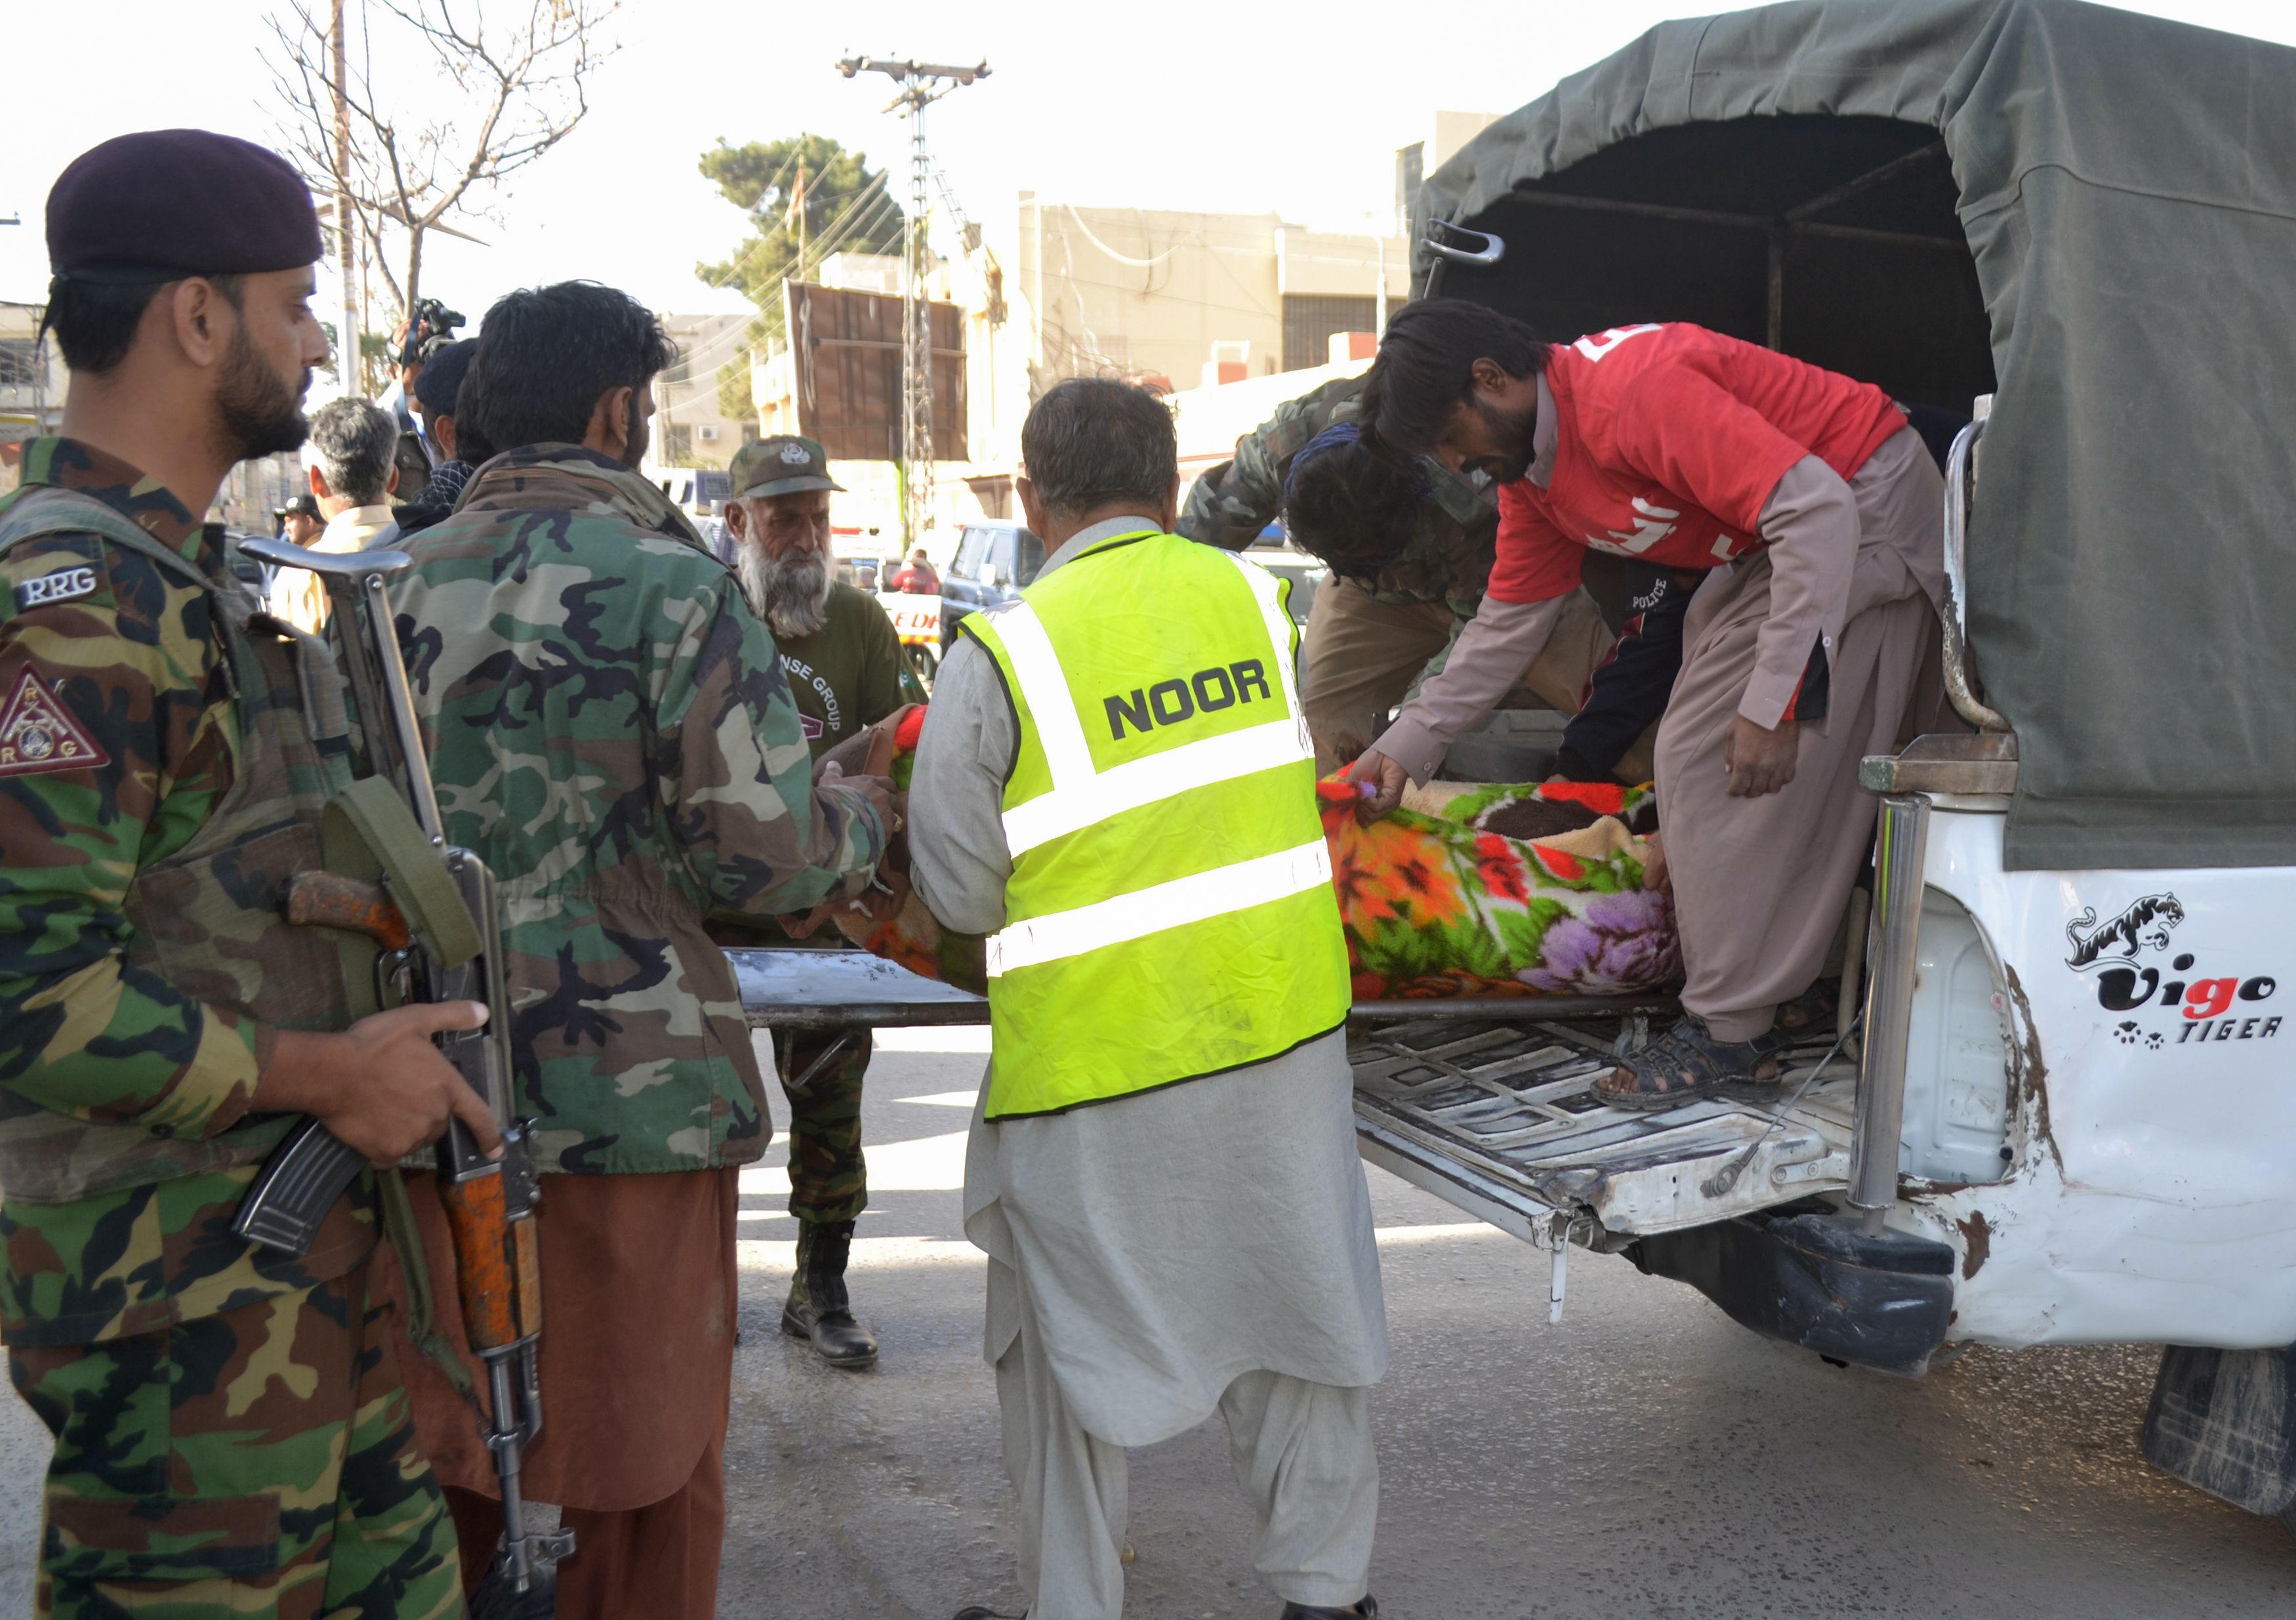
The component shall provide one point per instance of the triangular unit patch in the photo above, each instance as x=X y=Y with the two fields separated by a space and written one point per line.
x=37 y=733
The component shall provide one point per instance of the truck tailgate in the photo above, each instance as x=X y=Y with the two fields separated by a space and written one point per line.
x=1497 y=1115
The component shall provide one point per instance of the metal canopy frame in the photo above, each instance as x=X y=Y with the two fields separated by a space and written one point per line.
x=1780 y=229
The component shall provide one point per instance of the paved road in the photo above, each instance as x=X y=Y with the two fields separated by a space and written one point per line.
x=1647 y=1458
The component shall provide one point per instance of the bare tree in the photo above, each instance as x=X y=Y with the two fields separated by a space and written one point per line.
x=463 y=99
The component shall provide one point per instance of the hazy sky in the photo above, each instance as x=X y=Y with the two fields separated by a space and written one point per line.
x=1189 y=103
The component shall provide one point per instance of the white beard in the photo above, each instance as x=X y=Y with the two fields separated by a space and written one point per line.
x=791 y=598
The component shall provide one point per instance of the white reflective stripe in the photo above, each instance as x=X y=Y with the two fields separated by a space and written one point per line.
x=1267 y=590
x=1153 y=778
x=1081 y=796
x=1038 y=668
x=1196 y=899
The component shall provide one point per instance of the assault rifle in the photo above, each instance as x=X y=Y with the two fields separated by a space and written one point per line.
x=490 y=1203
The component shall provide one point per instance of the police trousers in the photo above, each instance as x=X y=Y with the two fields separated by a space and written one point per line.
x=258 y=1462
x=829 y=1180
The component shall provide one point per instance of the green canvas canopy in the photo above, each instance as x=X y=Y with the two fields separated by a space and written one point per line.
x=2088 y=214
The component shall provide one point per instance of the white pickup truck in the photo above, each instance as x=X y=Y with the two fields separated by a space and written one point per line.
x=2067 y=1112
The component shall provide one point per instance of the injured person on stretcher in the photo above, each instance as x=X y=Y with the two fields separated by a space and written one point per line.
x=1813 y=509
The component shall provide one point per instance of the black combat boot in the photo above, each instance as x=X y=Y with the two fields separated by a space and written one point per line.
x=1367 y=1609
x=818 y=1308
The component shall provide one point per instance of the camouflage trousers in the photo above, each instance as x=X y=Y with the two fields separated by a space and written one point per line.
x=260 y=1462
x=828 y=1181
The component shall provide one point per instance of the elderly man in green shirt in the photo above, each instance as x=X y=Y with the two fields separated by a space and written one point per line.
x=843 y=660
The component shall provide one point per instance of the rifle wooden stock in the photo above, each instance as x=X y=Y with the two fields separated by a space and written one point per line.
x=478 y=1214
x=322 y=899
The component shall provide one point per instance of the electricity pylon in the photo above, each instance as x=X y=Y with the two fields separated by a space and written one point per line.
x=922 y=83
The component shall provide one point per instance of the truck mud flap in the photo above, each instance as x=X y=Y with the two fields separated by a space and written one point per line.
x=2225 y=1421
x=1815 y=1281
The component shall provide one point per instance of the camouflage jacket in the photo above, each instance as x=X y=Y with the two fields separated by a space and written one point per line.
x=123 y=731
x=610 y=727
x=1448 y=555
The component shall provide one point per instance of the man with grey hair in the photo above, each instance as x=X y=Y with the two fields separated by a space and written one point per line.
x=355 y=444
x=843 y=660
x=1117 y=787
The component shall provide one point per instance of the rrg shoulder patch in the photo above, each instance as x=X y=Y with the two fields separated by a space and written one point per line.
x=64 y=585
x=37 y=733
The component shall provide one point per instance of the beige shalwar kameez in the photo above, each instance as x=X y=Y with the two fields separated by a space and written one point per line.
x=1151 y=1260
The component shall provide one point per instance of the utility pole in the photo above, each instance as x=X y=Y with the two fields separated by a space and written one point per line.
x=347 y=357
x=922 y=84
x=797 y=202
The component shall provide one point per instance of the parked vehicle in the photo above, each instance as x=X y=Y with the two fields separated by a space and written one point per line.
x=2067 y=1110
x=995 y=559
x=916 y=621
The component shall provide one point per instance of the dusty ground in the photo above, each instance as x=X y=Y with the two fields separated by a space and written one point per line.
x=1647 y=1458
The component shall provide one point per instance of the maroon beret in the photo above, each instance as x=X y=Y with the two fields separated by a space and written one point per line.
x=188 y=201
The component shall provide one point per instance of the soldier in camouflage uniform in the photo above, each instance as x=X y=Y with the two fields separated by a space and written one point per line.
x=610 y=730
x=232 y=1433
x=1392 y=607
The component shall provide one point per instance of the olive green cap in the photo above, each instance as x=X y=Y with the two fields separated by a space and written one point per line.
x=781 y=464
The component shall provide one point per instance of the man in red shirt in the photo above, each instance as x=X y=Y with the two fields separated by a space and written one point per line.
x=1813 y=509
x=918 y=579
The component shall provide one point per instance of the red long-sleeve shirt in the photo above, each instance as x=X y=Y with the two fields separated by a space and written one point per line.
x=1670 y=439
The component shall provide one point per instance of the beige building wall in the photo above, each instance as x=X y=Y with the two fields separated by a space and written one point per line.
x=689 y=429
x=1148 y=293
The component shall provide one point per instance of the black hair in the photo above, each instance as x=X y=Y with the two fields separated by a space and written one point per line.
x=1351 y=507
x=545 y=354
x=471 y=446
x=1093 y=439
x=1426 y=368
x=356 y=440
x=95 y=321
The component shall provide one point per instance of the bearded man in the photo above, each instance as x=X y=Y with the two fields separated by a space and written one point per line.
x=843 y=660
x=231 y=1434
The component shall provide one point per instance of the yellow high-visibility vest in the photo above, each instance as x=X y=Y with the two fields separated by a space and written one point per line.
x=1170 y=912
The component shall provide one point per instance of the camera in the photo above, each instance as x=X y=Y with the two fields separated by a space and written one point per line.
x=430 y=327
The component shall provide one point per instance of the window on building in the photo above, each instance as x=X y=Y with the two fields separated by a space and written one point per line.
x=22 y=363
x=677 y=444
x=681 y=369
x=1311 y=319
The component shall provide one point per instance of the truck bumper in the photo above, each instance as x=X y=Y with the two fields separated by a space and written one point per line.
x=1815 y=1281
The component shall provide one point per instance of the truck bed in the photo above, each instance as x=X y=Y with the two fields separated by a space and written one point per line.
x=1490 y=1108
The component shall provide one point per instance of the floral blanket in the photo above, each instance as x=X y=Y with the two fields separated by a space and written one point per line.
x=1440 y=906
x=1434 y=905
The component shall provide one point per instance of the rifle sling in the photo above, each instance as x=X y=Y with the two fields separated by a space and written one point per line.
x=397 y=1212
x=418 y=877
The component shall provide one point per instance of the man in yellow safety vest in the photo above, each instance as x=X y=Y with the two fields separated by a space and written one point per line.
x=1116 y=786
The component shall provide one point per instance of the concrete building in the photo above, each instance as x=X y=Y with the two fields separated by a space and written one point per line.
x=1230 y=313
x=690 y=429
x=1182 y=300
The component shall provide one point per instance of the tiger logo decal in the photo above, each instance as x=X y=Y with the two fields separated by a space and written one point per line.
x=2145 y=923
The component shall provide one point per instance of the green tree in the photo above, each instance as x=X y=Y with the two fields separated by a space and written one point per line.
x=847 y=208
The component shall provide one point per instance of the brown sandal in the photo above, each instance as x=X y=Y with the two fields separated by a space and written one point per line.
x=1686 y=1064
